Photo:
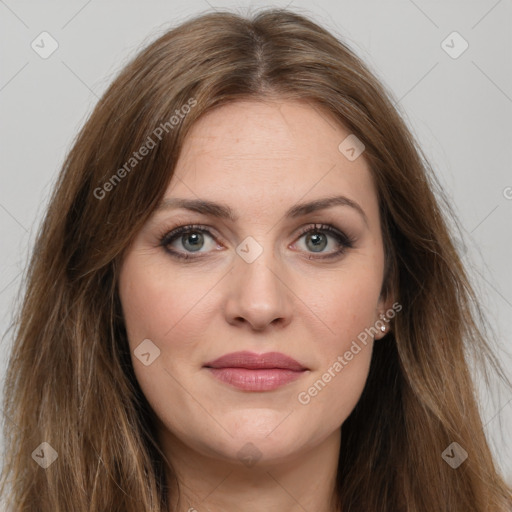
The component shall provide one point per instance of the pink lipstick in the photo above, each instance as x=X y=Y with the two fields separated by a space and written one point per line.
x=256 y=372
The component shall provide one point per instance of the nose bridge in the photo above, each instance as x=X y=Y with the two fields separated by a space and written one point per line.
x=258 y=293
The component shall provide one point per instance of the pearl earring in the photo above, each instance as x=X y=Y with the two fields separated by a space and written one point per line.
x=383 y=328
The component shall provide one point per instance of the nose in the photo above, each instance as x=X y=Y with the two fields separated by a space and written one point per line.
x=258 y=294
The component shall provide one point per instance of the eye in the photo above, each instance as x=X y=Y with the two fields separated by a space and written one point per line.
x=191 y=238
x=184 y=241
x=316 y=239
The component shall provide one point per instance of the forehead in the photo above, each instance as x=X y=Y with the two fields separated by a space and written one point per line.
x=257 y=153
x=290 y=129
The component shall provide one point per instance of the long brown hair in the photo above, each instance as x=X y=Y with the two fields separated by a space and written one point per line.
x=70 y=382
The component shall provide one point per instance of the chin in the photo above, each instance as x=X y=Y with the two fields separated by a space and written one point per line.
x=265 y=438
x=255 y=450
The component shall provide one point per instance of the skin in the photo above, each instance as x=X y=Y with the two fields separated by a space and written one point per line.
x=260 y=158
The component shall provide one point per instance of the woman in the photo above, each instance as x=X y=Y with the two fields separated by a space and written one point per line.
x=245 y=296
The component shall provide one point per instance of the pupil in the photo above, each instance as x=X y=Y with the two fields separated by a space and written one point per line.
x=318 y=242
x=196 y=241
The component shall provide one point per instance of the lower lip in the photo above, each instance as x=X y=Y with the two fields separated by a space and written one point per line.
x=265 y=379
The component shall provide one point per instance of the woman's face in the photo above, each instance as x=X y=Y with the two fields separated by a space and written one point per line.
x=268 y=278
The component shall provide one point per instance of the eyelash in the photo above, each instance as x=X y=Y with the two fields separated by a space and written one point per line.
x=344 y=240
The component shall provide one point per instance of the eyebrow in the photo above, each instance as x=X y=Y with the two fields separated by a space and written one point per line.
x=223 y=211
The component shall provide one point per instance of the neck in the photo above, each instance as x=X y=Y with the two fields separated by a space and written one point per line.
x=304 y=481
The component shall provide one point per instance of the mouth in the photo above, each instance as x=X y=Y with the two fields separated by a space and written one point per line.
x=249 y=371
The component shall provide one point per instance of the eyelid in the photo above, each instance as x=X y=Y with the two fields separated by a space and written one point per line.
x=169 y=234
x=327 y=228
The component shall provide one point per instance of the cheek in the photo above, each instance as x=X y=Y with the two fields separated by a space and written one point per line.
x=345 y=304
x=155 y=306
x=334 y=388
x=347 y=307
x=166 y=309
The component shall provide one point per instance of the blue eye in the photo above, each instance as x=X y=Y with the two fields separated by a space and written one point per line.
x=317 y=238
x=191 y=237
x=192 y=240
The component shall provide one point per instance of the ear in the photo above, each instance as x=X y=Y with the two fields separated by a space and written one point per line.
x=387 y=309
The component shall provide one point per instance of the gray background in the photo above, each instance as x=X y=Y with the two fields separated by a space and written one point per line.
x=458 y=108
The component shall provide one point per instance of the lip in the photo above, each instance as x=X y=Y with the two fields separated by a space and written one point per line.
x=256 y=372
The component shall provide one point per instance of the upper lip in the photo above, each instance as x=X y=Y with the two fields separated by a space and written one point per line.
x=255 y=361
